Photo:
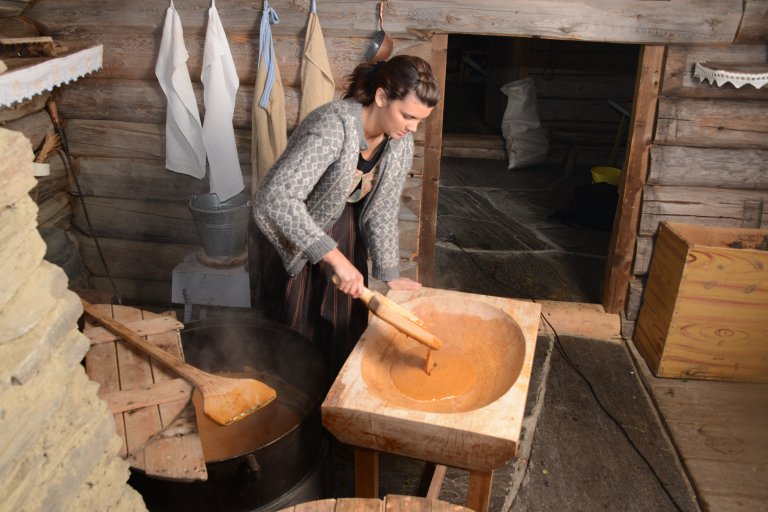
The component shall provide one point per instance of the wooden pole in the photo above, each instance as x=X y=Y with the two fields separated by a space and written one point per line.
x=430 y=180
x=627 y=220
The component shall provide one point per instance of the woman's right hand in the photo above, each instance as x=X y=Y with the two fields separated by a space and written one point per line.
x=350 y=280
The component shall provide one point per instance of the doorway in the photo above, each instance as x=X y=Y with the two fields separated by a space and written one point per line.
x=512 y=232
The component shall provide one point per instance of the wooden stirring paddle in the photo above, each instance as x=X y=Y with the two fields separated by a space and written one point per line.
x=225 y=400
x=399 y=318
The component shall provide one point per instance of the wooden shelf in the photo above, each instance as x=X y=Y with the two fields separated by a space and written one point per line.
x=29 y=76
x=737 y=74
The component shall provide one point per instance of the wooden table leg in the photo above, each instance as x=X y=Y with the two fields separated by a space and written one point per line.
x=366 y=473
x=479 y=495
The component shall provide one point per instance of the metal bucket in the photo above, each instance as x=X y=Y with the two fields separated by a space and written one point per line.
x=222 y=225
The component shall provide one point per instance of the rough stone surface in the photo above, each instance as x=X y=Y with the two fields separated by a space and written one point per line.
x=31 y=302
x=60 y=458
x=58 y=446
x=16 y=177
x=101 y=489
x=20 y=216
x=21 y=251
x=130 y=501
x=26 y=409
x=23 y=355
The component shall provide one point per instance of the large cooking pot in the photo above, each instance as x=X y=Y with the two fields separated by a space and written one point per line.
x=260 y=462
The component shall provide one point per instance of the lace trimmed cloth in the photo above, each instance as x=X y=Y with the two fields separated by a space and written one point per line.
x=27 y=81
x=754 y=74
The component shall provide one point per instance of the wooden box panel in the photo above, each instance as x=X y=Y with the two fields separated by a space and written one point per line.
x=705 y=308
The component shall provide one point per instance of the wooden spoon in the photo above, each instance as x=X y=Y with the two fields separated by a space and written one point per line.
x=225 y=400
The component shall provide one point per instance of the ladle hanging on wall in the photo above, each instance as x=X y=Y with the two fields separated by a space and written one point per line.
x=381 y=46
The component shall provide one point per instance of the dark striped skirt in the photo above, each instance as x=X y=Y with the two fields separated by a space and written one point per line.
x=309 y=302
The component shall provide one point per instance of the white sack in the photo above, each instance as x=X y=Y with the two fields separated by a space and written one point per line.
x=526 y=140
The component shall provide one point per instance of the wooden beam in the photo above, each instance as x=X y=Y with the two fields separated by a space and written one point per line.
x=579 y=319
x=619 y=262
x=619 y=21
x=433 y=134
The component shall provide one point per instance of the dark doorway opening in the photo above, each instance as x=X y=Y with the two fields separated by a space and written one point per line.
x=513 y=232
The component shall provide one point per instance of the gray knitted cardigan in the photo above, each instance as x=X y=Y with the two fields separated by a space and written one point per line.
x=306 y=189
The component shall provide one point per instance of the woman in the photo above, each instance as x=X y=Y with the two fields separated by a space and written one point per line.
x=332 y=199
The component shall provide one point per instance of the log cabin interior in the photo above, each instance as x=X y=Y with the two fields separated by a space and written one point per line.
x=671 y=92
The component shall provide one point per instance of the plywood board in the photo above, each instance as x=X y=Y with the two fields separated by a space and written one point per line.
x=127 y=375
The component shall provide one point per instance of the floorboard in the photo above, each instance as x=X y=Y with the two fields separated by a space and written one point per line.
x=720 y=430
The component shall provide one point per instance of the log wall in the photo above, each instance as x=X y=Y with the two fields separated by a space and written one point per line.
x=709 y=157
x=115 y=123
x=115 y=118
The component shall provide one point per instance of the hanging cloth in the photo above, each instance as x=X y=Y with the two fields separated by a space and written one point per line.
x=184 y=149
x=268 y=131
x=220 y=80
x=317 y=83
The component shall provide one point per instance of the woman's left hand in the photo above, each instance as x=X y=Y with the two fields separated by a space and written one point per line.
x=403 y=283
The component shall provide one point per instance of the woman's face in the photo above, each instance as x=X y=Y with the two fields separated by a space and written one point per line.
x=399 y=117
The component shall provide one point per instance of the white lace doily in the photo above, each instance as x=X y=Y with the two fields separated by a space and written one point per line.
x=23 y=83
x=755 y=75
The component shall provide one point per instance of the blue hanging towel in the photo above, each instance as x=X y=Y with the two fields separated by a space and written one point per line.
x=268 y=129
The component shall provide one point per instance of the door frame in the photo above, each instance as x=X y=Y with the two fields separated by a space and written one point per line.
x=618 y=269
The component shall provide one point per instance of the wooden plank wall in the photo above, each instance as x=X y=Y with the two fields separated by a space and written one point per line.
x=115 y=118
x=115 y=122
x=709 y=158
x=574 y=81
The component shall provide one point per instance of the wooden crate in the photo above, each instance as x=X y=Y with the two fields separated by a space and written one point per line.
x=705 y=306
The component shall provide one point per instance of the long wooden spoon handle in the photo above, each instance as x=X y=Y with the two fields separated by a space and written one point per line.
x=366 y=296
x=189 y=372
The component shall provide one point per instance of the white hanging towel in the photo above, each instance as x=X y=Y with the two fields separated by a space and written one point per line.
x=220 y=80
x=317 y=83
x=184 y=149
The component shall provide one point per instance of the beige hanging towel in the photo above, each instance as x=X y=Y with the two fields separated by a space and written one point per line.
x=220 y=83
x=184 y=149
x=268 y=131
x=317 y=83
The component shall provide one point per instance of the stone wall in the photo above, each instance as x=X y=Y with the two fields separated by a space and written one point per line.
x=58 y=447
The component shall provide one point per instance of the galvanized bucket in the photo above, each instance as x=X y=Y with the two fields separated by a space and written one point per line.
x=222 y=225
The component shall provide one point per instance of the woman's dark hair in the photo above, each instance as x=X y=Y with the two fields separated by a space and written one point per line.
x=398 y=76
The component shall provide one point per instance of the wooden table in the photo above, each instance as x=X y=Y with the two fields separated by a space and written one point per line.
x=478 y=440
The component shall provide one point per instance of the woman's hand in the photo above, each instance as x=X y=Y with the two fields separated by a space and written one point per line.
x=351 y=281
x=403 y=283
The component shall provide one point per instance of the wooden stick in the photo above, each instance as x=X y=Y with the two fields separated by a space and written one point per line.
x=225 y=400
x=397 y=316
